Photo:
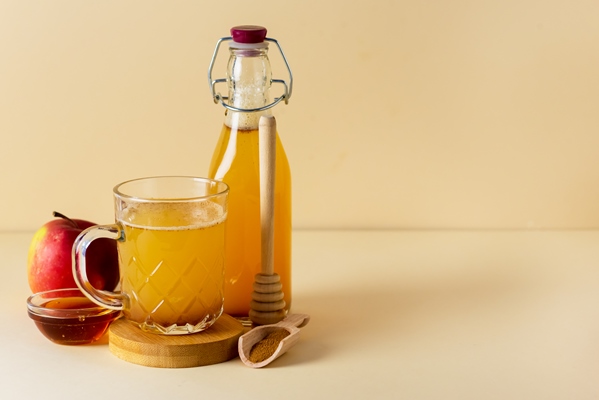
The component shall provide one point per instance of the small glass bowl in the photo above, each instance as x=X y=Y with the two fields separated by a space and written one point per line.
x=66 y=316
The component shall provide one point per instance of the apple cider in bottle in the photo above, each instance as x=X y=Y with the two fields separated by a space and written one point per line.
x=235 y=161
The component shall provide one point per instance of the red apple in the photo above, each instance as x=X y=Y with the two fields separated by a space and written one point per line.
x=49 y=264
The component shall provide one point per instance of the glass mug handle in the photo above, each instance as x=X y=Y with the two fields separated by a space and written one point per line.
x=104 y=298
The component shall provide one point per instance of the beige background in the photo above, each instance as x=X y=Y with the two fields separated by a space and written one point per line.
x=405 y=114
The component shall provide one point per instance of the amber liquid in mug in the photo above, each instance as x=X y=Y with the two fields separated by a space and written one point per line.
x=172 y=264
x=236 y=163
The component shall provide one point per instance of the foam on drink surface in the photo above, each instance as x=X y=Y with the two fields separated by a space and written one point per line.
x=173 y=216
x=243 y=121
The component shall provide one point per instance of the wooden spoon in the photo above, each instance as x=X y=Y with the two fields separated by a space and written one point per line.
x=267 y=305
x=289 y=324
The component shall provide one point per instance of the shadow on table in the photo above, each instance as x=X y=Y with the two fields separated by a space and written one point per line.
x=394 y=311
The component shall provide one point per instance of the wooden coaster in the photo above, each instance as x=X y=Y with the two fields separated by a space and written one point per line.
x=212 y=346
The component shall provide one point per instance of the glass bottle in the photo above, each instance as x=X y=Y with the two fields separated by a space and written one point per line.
x=235 y=161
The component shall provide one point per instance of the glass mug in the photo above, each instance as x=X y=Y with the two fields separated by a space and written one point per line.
x=170 y=234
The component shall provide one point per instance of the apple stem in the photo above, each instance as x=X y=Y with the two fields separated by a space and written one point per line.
x=59 y=215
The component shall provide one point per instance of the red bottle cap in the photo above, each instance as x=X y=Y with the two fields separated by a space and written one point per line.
x=248 y=34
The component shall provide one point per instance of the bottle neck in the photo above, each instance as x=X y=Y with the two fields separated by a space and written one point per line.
x=249 y=79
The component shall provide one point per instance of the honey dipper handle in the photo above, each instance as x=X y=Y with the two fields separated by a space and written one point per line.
x=267 y=139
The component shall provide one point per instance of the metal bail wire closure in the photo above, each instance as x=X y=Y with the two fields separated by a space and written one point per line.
x=217 y=97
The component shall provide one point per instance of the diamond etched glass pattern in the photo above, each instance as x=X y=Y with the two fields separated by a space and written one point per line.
x=174 y=277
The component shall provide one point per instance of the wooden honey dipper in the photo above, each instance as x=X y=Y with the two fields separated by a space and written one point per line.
x=267 y=305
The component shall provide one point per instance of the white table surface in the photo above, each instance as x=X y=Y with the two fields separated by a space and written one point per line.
x=394 y=315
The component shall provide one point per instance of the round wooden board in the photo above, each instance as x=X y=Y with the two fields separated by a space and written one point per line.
x=212 y=346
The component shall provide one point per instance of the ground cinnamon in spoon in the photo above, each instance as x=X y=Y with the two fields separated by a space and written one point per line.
x=267 y=346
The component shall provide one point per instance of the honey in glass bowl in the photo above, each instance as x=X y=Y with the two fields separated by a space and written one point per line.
x=66 y=316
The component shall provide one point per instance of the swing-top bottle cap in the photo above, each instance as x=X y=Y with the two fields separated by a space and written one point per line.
x=248 y=34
